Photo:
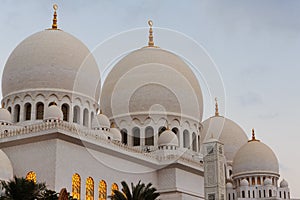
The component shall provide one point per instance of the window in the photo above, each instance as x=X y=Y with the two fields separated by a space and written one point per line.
x=264 y=193
x=149 y=136
x=280 y=194
x=76 y=185
x=114 y=186
x=228 y=196
x=259 y=194
x=76 y=115
x=284 y=195
x=136 y=136
x=85 y=117
x=65 y=111
x=194 y=142
x=39 y=110
x=27 y=111
x=17 y=113
x=92 y=117
x=249 y=194
x=258 y=181
x=124 y=136
x=243 y=194
x=253 y=194
x=102 y=190
x=31 y=176
x=186 y=139
x=161 y=130
x=211 y=196
x=270 y=193
x=89 y=189
x=9 y=109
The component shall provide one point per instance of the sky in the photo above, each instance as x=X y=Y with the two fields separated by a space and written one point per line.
x=255 y=46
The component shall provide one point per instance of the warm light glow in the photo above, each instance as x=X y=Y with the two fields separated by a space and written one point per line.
x=76 y=182
x=102 y=190
x=89 y=187
x=31 y=176
x=114 y=186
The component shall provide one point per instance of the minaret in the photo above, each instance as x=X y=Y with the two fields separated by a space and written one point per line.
x=214 y=170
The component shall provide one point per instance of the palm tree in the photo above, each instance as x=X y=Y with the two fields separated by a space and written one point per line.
x=138 y=192
x=22 y=189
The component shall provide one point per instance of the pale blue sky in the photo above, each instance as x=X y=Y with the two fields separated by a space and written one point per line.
x=255 y=44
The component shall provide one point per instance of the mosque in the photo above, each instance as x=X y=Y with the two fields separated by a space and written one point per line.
x=59 y=125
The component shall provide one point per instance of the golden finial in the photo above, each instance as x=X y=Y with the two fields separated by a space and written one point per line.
x=151 y=42
x=253 y=136
x=217 y=107
x=54 y=24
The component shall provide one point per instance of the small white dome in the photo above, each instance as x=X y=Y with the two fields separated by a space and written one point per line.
x=229 y=185
x=101 y=121
x=267 y=181
x=53 y=112
x=6 y=172
x=255 y=157
x=284 y=184
x=117 y=136
x=168 y=138
x=5 y=116
x=244 y=182
x=227 y=132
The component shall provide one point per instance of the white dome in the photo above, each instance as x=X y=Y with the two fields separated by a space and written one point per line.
x=227 y=132
x=244 y=182
x=53 y=112
x=168 y=138
x=101 y=121
x=51 y=60
x=116 y=134
x=149 y=77
x=6 y=172
x=229 y=185
x=5 y=116
x=284 y=184
x=255 y=157
x=267 y=181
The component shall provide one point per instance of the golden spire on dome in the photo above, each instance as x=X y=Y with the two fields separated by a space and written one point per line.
x=150 y=42
x=54 y=24
x=253 y=136
x=217 y=107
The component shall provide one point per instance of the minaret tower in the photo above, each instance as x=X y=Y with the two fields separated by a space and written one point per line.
x=214 y=170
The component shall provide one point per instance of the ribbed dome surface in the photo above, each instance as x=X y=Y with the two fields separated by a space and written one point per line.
x=227 y=132
x=255 y=157
x=149 y=77
x=51 y=60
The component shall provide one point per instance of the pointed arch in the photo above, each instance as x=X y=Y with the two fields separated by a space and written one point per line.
x=124 y=136
x=39 y=110
x=76 y=115
x=31 y=176
x=76 y=186
x=186 y=139
x=194 y=142
x=65 y=110
x=85 y=117
x=27 y=111
x=102 y=190
x=17 y=109
x=149 y=136
x=89 y=189
x=136 y=136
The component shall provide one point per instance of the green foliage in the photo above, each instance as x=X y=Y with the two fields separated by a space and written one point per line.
x=138 y=192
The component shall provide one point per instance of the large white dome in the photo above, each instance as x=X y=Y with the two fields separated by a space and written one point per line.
x=152 y=80
x=255 y=157
x=227 y=132
x=51 y=60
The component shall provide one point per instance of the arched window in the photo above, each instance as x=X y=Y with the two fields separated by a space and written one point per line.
x=89 y=189
x=249 y=194
x=76 y=186
x=136 y=136
x=102 y=190
x=76 y=115
x=124 y=136
x=149 y=136
x=9 y=109
x=186 y=139
x=194 y=142
x=270 y=193
x=31 y=176
x=114 y=186
x=27 y=111
x=258 y=181
x=259 y=194
x=85 y=117
x=39 y=110
x=92 y=117
x=161 y=129
x=176 y=131
x=229 y=196
x=243 y=194
x=17 y=113
x=284 y=195
x=198 y=143
x=253 y=194
x=65 y=111
x=280 y=194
